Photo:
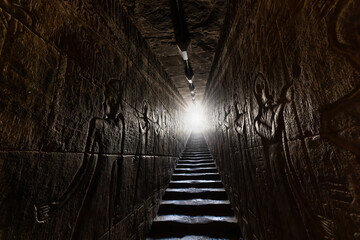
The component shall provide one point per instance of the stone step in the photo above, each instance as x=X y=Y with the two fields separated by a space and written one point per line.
x=196 y=207
x=190 y=237
x=196 y=184
x=195 y=161
x=196 y=151
x=195 y=176
x=207 y=156
x=168 y=226
x=193 y=193
x=196 y=155
x=196 y=170
x=195 y=204
x=194 y=165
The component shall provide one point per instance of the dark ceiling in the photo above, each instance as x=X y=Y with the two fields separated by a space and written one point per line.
x=204 y=20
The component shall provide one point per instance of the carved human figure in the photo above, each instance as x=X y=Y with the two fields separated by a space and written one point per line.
x=270 y=126
x=220 y=122
x=144 y=126
x=244 y=163
x=157 y=117
x=270 y=112
x=340 y=123
x=239 y=126
x=227 y=111
x=165 y=126
x=332 y=119
x=157 y=122
x=226 y=153
x=99 y=172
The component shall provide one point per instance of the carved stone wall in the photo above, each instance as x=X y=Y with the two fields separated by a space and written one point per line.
x=284 y=106
x=90 y=124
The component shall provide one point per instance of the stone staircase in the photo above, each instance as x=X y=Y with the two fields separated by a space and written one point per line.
x=195 y=204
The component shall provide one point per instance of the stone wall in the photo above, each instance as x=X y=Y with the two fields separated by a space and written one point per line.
x=90 y=124
x=284 y=105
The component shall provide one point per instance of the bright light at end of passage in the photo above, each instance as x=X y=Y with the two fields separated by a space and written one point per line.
x=195 y=119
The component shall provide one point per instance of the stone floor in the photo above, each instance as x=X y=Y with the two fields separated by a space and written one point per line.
x=195 y=205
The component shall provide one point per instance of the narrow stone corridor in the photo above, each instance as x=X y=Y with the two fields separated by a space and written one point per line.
x=99 y=98
x=195 y=204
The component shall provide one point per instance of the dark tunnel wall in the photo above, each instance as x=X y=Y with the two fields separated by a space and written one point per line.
x=284 y=104
x=90 y=125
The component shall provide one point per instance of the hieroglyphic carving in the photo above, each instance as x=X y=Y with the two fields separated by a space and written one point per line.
x=76 y=5
x=13 y=17
x=86 y=12
x=90 y=56
x=343 y=29
x=99 y=60
x=14 y=8
x=99 y=173
x=86 y=54
x=4 y=23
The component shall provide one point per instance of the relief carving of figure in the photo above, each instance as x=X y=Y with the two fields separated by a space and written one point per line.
x=157 y=122
x=99 y=172
x=270 y=126
x=227 y=111
x=345 y=135
x=157 y=118
x=220 y=122
x=340 y=122
x=98 y=65
x=270 y=112
x=165 y=127
x=144 y=126
x=244 y=164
